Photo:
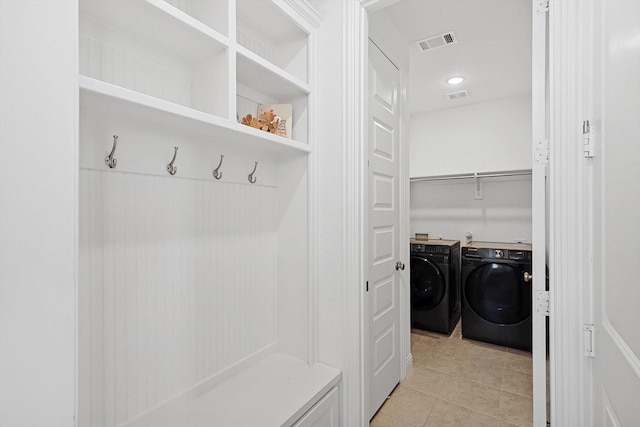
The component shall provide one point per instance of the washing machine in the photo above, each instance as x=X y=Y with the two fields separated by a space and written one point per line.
x=496 y=293
x=435 y=285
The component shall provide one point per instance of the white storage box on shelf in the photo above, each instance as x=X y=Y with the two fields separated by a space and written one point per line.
x=196 y=293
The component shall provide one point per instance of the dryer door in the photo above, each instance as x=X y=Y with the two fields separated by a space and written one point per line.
x=427 y=284
x=498 y=293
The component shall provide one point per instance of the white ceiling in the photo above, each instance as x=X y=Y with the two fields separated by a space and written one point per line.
x=493 y=52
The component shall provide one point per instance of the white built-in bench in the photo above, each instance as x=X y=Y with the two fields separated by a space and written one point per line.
x=277 y=391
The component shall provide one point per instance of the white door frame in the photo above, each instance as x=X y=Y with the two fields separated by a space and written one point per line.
x=567 y=245
x=539 y=141
x=356 y=366
x=569 y=232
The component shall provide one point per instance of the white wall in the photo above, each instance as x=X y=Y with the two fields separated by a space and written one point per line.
x=449 y=210
x=166 y=300
x=330 y=185
x=484 y=137
x=38 y=173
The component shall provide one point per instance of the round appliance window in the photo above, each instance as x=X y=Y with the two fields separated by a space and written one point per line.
x=427 y=284
x=499 y=294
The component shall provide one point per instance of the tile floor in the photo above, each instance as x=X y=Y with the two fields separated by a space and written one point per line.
x=460 y=383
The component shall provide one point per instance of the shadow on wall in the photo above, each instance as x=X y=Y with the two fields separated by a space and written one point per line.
x=450 y=209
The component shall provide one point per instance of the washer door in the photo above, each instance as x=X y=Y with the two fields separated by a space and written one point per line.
x=427 y=284
x=498 y=293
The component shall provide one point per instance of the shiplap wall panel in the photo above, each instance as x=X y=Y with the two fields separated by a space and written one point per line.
x=119 y=61
x=179 y=278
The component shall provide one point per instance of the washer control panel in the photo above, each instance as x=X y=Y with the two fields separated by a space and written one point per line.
x=494 y=253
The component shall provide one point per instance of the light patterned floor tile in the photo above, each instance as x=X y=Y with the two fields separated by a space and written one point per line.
x=518 y=383
x=445 y=414
x=487 y=374
x=431 y=383
x=462 y=383
x=382 y=420
x=519 y=362
x=516 y=409
x=501 y=423
x=477 y=397
x=439 y=361
x=409 y=406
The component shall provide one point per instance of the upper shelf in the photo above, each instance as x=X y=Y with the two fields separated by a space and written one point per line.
x=252 y=70
x=212 y=13
x=268 y=31
x=159 y=23
x=105 y=97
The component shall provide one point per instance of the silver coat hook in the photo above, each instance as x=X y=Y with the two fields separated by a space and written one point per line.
x=110 y=160
x=170 y=168
x=253 y=179
x=216 y=173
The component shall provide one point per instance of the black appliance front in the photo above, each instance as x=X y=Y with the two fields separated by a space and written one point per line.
x=496 y=297
x=435 y=287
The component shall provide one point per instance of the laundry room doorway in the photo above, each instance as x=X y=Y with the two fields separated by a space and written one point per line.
x=531 y=132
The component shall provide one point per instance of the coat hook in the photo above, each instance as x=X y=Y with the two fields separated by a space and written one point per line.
x=216 y=174
x=110 y=160
x=253 y=179
x=170 y=168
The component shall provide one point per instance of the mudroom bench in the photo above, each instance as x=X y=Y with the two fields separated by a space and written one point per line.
x=277 y=391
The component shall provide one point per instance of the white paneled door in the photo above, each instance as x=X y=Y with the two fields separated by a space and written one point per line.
x=383 y=227
x=615 y=130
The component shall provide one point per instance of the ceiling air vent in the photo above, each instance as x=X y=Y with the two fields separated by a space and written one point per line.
x=457 y=95
x=437 y=41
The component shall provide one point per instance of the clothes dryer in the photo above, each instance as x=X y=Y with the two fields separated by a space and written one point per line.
x=496 y=289
x=435 y=285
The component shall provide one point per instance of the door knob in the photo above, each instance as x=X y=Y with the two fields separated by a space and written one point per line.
x=399 y=265
x=527 y=277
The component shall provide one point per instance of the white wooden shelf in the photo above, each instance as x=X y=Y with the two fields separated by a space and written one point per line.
x=212 y=13
x=254 y=71
x=275 y=392
x=267 y=29
x=159 y=23
x=98 y=95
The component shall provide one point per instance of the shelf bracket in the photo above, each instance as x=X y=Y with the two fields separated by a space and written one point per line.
x=477 y=194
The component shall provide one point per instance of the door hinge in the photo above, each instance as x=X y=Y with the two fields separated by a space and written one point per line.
x=587 y=331
x=588 y=139
x=542 y=6
x=542 y=302
x=541 y=154
x=367 y=286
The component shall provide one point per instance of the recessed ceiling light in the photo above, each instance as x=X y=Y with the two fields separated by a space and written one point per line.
x=455 y=80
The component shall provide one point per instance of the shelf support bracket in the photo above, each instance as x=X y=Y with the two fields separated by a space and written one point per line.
x=477 y=194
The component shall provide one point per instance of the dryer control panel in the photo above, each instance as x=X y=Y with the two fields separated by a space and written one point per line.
x=429 y=249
